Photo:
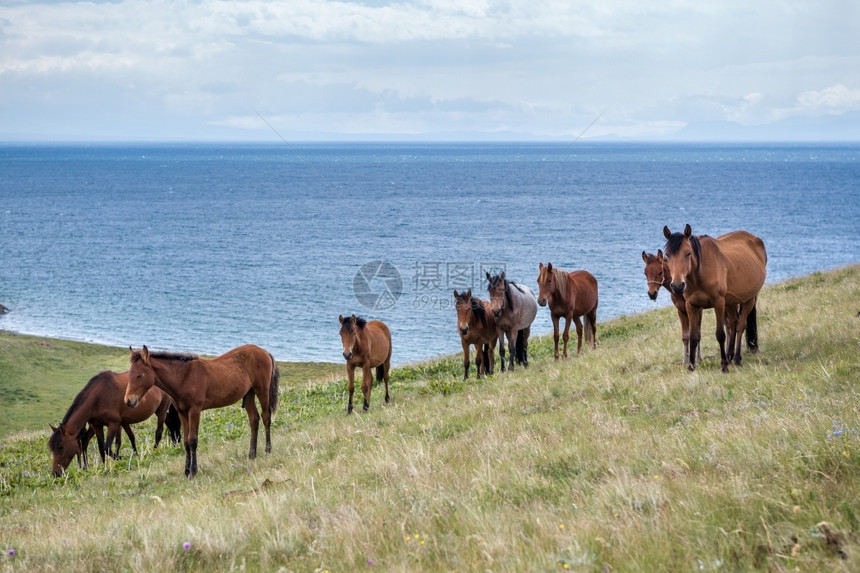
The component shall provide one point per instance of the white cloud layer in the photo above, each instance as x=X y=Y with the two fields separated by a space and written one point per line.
x=478 y=69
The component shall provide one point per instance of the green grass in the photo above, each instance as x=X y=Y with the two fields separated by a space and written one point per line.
x=614 y=460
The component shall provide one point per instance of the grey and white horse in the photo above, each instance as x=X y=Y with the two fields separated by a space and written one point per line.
x=514 y=308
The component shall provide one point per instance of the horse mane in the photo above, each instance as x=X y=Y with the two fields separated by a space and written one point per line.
x=84 y=393
x=170 y=356
x=359 y=322
x=508 y=294
x=561 y=281
x=675 y=240
x=478 y=310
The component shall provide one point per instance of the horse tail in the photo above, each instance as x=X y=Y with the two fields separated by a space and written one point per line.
x=752 y=330
x=273 y=387
x=174 y=424
x=589 y=329
x=521 y=347
x=380 y=372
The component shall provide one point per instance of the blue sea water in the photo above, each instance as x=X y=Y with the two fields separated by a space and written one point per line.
x=203 y=247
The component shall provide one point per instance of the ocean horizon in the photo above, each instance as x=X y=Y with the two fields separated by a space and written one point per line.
x=201 y=247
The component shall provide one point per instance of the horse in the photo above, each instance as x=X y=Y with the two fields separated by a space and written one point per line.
x=514 y=308
x=725 y=274
x=366 y=344
x=198 y=384
x=101 y=403
x=477 y=326
x=570 y=295
x=657 y=275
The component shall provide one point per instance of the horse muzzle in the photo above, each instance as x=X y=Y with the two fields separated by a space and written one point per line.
x=57 y=473
x=497 y=313
x=542 y=301
x=679 y=288
x=348 y=355
x=132 y=402
x=464 y=330
x=652 y=295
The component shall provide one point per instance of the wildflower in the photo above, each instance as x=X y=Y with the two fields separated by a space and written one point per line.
x=186 y=545
x=370 y=562
x=561 y=526
x=11 y=553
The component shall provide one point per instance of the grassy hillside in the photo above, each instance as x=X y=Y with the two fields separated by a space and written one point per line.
x=615 y=460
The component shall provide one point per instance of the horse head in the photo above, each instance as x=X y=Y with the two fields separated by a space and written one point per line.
x=141 y=376
x=463 y=304
x=64 y=446
x=683 y=252
x=654 y=265
x=546 y=282
x=349 y=332
x=497 y=286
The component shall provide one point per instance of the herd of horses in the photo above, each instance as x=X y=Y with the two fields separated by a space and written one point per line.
x=700 y=272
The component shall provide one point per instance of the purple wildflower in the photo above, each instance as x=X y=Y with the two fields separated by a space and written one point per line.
x=186 y=545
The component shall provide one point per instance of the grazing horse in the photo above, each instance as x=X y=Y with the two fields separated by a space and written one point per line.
x=725 y=274
x=657 y=275
x=570 y=295
x=366 y=344
x=198 y=384
x=477 y=326
x=514 y=308
x=101 y=403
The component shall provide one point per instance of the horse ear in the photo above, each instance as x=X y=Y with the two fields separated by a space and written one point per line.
x=468 y=294
x=488 y=276
x=455 y=294
x=353 y=319
x=502 y=276
x=666 y=232
x=144 y=354
x=549 y=267
x=659 y=255
x=540 y=266
x=688 y=230
x=340 y=318
x=53 y=428
x=644 y=256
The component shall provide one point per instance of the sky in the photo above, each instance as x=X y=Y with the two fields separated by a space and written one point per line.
x=486 y=70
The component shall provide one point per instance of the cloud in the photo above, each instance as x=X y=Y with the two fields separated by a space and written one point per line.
x=834 y=100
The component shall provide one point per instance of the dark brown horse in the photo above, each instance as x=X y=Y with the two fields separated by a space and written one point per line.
x=102 y=403
x=657 y=275
x=366 y=345
x=570 y=295
x=198 y=384
x=725 y=274
x=477 y=326
x=514 y=308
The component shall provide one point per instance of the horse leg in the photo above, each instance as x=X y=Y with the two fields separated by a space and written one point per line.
x=526 y=332
x=113 y=434
x=131 y=438
x=512 y=348
x=694 y=314
x=555 y=319
x=566 y=335
x=466 y=359
x=385 y=372
x=191 y=422
x=366 y=383
x=731 y=325
x=350 y=375
x=578 y=323
x=720 y=317
x=591 y=317
x=491 y=356
x=83 y=444
x=100 y=440
x=502 y=348
x=744 y=313
x=253 y=419
x=262 y=394
x=160 y=415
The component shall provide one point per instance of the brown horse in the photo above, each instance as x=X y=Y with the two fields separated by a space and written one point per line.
x=725 y=274
x=366 y=344
x=197 y=384
x=570 y=295
x=657 y=275
x=101 y=403
x=477 y=326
